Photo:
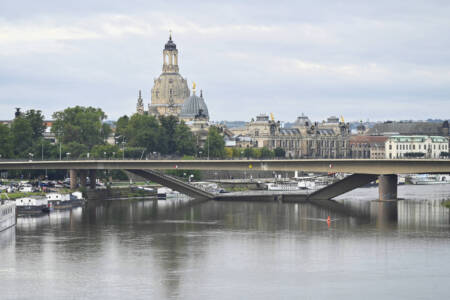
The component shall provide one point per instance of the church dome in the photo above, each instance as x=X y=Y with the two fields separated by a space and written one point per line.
x=170 y=45
x=193 y=107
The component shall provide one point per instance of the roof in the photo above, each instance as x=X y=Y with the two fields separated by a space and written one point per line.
x=170 y=45
x=194 y=106
x=418 y=138
x=368 y=139
x=408 y=128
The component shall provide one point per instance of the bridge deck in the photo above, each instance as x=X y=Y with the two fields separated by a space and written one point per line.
x=360 y=166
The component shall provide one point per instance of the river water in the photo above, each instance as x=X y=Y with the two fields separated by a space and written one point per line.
x=235 y=250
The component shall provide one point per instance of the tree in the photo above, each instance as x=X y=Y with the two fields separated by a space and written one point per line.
x=169 y=126
x=36 y=120
x=105 y=151
x=184 y=140
x=21 y=136
x=79 y=124
x=214 y=144
x=266 y=153
x=6 y=147
x=144 y=131
x=248 y=152
x=228 y=152
x=75 y=149
x=279 y=152
x=121 y=126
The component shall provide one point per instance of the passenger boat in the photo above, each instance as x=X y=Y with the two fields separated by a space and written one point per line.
x=32 y=205
x=58 y=201
x=76 y=199
x=283 y=186
x=164 y=193
x=7 y=214
x=427 y=179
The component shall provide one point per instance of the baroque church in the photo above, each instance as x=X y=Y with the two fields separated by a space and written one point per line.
x=170 y=95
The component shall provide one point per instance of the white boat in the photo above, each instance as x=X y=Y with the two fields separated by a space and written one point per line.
x=163 y=193
x=426 y=179
x=76 y=198
x=283 y=186
x=58 y=201
x=7 y=214
x=306 y=185
x=32 y=205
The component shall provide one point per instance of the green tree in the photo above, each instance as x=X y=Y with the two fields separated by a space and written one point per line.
x=184 y=140
x=266 y=153
x=106 y=151
x=279 y=152
x=6 y=147
x=75 y=149
x=22 y=137
x=36 y=120
x=169 y=126
x=79 y=124
x=214 y=144
x=145 y=131
x=248 y=152
x=121 y=127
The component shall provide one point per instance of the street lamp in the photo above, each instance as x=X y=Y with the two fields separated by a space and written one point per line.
x=68 y=154
x=31 y=156
x=123 y=150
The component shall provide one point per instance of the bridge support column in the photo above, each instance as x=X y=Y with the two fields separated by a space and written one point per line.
x=387 y=187
x=82 y=174
x=92 y=178
x=73 y=179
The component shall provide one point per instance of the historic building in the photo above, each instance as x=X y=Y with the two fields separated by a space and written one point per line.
x=364 y=146
x=418 y=146
x=305 y=139
x=170 y=95
x=170 y=89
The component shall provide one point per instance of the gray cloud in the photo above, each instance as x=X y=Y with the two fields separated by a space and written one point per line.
x=359 y=59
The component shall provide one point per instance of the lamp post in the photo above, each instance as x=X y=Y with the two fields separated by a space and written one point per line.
x=31 y=156
x=67 y=155
x=123 y=150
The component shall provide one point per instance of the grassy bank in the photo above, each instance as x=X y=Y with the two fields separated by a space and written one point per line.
x=13 y=196
x=446 y=203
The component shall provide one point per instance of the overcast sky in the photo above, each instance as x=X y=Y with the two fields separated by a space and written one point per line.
x=374 y=60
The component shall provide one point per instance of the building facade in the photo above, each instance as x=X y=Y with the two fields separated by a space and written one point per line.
x=418 y=146
x=367 y=147
x=303 y=140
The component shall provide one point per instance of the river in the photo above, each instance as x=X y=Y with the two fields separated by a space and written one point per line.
x=234 y=250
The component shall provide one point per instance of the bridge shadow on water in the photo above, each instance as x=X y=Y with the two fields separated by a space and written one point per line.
x=160 y=246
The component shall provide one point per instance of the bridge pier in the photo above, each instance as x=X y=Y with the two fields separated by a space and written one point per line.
x=387 y=187
x=92 y=178
x=73 y=179
x=82 y=174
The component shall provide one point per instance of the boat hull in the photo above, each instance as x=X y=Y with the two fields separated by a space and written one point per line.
x=7 y=215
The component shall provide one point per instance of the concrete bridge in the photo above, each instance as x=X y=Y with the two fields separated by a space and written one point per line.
x=363 y=170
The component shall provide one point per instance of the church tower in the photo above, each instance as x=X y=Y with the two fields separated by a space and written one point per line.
x=140 y=104
x=170 y=89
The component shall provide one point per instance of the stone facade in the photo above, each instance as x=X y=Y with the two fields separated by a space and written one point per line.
x=170 y=89
x=363 y=146
x=329 y=139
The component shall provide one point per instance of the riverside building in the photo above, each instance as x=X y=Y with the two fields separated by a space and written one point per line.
x=418 y=146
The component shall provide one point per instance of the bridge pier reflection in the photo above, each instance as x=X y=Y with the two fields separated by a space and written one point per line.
x=384 y=212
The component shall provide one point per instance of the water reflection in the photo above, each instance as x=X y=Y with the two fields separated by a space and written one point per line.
x=222 y=250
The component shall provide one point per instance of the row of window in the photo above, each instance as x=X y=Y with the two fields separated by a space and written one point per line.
x=413 y=147
x=7 y=211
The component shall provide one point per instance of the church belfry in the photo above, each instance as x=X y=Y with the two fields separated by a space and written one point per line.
x=170 y=57
x=170 y=88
